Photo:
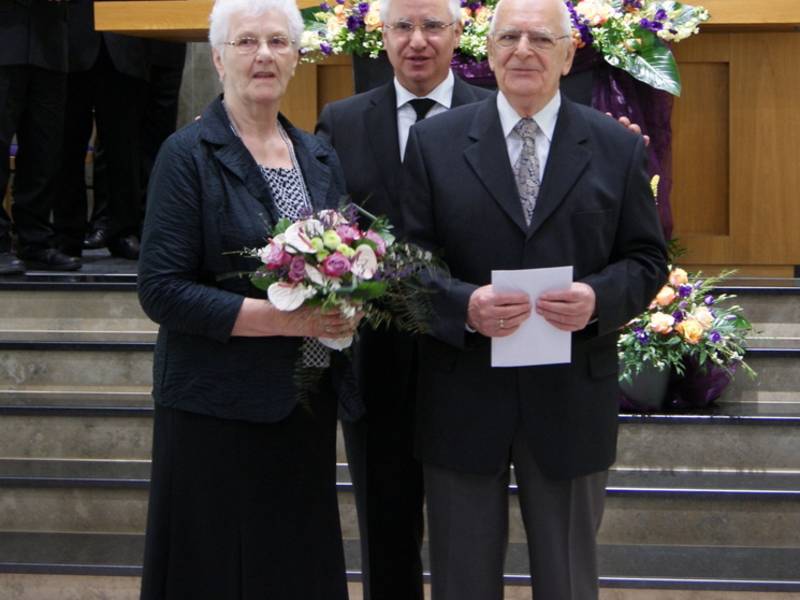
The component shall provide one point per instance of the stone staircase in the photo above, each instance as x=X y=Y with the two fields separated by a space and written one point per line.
x=700 y=505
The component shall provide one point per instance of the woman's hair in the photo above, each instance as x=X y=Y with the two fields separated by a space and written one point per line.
x=453 y=5
x=219 y=19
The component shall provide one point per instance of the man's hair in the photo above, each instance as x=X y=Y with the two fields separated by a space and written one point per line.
x=219 y=19
x=565 y=24
x=453 y=5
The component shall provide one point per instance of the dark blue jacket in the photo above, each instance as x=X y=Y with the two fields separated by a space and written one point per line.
x=208 y=200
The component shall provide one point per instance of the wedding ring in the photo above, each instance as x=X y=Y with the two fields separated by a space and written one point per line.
x=502 y=323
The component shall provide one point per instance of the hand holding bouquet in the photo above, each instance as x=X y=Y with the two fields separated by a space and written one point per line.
x=329 y=260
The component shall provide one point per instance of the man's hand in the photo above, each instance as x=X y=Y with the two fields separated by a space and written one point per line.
x=497 y=315
x=568 y=310
x=632 y=127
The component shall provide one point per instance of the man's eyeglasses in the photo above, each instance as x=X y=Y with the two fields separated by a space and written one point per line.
x=429 y=29
x=248 y=44
x=541 y=40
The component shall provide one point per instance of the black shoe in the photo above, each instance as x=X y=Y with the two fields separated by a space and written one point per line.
x=51 y=259
x=10 y=264
x=125 y=247
x=96 y=239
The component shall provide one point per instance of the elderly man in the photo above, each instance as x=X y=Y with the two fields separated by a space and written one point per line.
x=369 y=133
x=525 y=179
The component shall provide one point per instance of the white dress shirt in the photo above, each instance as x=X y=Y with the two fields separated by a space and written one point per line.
x=545 y=119
x=406 y=117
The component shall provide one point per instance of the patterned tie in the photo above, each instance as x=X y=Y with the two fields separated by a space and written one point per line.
x=526 y=169
x=421 y=106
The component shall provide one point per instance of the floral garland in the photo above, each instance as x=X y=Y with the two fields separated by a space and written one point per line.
x=631 y=35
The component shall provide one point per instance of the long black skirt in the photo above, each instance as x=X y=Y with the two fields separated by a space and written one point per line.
x=244 y=511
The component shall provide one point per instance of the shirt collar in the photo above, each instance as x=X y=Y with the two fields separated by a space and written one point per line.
x=545 y=118
x=442 y=93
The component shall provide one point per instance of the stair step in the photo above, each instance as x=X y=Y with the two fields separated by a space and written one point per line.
x=621 y=566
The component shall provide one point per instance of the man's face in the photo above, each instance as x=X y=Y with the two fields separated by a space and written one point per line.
x=527 y=70
x=420 y=57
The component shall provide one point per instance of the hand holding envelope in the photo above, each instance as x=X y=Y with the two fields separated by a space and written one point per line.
x=537 y=341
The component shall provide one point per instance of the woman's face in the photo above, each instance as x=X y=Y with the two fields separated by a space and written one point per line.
x=257 y=68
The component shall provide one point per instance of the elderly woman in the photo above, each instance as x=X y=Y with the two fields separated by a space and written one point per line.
x=243 y=496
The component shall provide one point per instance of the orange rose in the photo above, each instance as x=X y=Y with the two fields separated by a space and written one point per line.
x=691 y=330
x=678 y=277
x=702 y=315
x=665 y=296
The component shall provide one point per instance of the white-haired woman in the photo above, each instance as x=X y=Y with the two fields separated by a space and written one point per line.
x=243 y=497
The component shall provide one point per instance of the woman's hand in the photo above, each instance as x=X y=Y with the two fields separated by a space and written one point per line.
x=258 y=318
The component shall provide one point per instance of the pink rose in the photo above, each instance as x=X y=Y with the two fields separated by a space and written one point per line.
x=348 y=233
x=336 y=265
x=274 y=256
x=297 y=269
x=661 y=323
x=678 y=277
x=380 y=244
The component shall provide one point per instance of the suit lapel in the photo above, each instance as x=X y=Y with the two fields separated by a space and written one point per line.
x=381 y=128
x=566 y=161
x=488 y=157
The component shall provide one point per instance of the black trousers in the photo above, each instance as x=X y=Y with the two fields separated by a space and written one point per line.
x=116 y=102
x=32 y=106
x=387 y=479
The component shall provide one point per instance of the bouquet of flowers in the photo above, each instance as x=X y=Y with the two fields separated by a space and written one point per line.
x=343 y=27
x=476 y=17
x=685 y=322
x=327 y=259
x=632 y=35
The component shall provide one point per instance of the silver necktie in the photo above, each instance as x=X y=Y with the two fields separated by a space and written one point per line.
x=526 y=169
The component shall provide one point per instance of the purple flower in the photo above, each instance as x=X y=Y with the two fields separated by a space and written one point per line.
x=363 y=7
x=348 y=233
x=339 y=1
x=708 y=300
x=325 y=6
x=714 y=337
x=632 y=4
x=678 y=315
x=661 y=15
x=325 y=48
x=641 y=335
x=463 y=3
x=651 y=25
x=336 y=265
x=684 y=291
x=580 y=24
x=474 y=5
x=297 y=269
x=354 y=23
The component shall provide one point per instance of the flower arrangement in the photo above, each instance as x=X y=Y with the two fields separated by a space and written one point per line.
x=633 y=35
x=343 y=27
x=327 y=259
x=685 y=322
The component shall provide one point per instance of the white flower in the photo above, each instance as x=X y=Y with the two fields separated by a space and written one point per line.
x=314 y=275
x=288 y=296
x=364 y=263
x=298 y=236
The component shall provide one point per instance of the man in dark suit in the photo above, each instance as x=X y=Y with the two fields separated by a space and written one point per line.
x=525 y=179
x=33 y=65
x=108 y=81
x=369 y=133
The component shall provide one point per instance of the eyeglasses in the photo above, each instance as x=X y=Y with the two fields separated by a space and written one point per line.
x=429 y=29
x=541 y=40
x=248 y=44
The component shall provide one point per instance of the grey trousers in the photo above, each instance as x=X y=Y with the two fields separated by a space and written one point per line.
x=468 y=530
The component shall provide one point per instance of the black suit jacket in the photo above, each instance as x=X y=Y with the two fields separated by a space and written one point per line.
x=208 y=200
x=33 y=33
x=129 y=55
x=363 y=130
x=595 y=212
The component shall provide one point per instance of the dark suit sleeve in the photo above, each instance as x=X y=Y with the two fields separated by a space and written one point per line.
x=451 y=296
x=638 y=264
x=170 y=265
x=324 y=128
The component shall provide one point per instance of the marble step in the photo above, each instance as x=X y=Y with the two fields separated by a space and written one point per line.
x=643 y=506
x=624 y=567
x=68 y=364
